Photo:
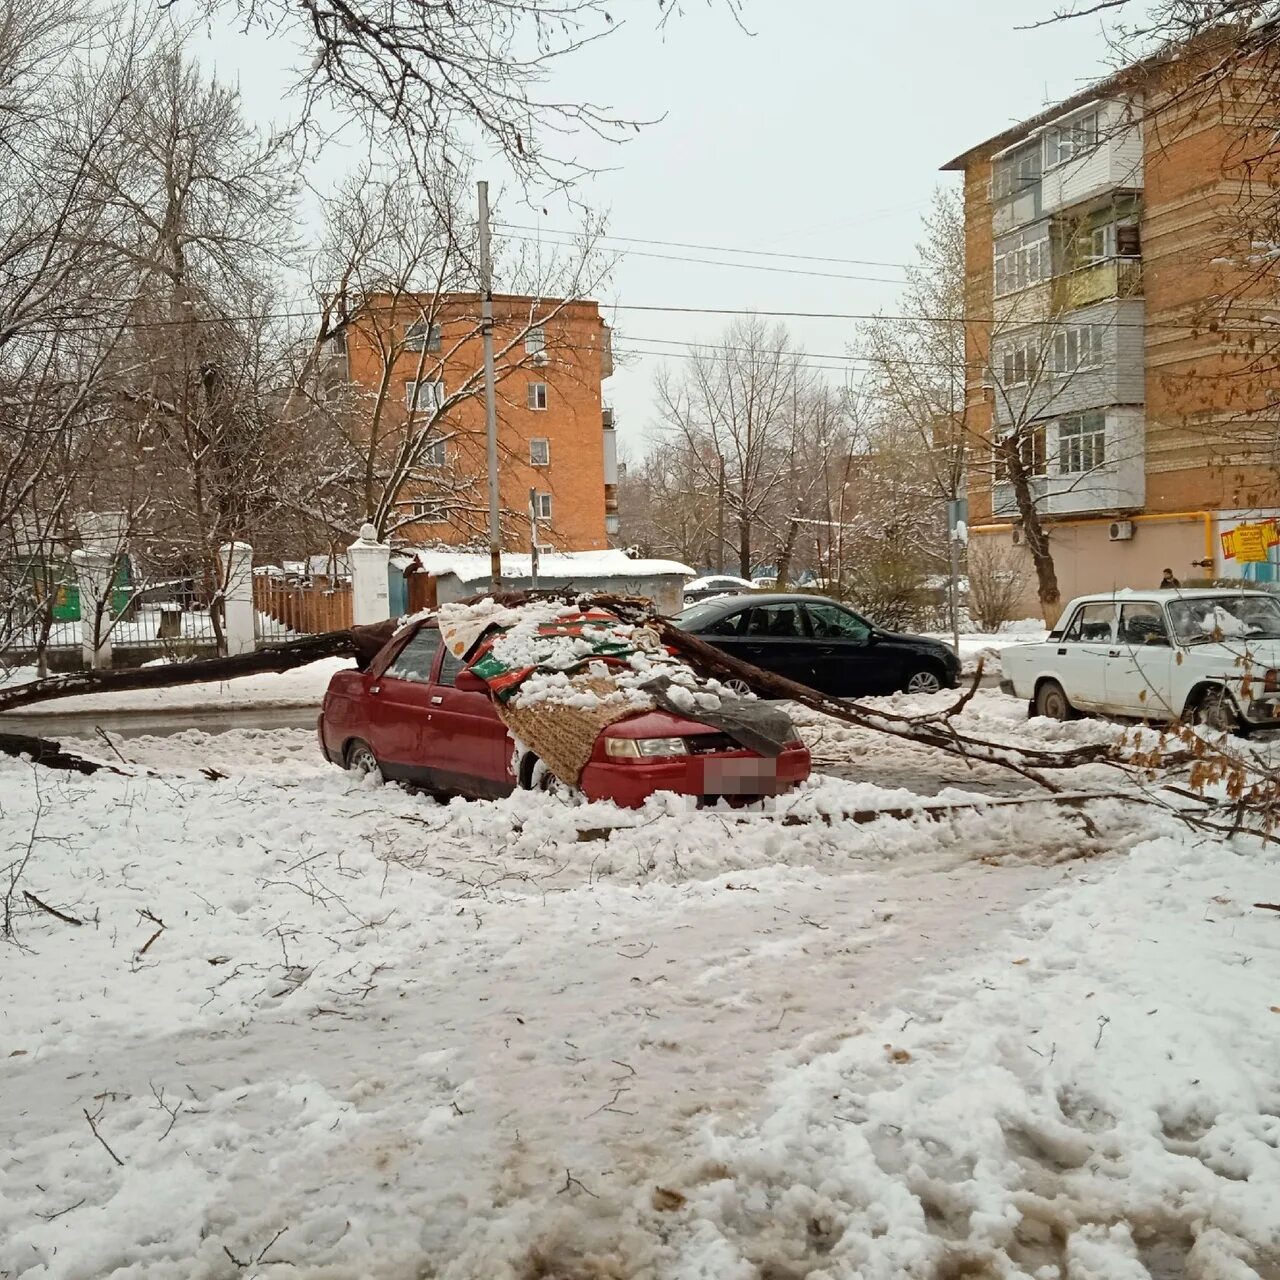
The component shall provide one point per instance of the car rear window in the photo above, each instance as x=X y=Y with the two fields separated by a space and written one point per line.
x=414 y=661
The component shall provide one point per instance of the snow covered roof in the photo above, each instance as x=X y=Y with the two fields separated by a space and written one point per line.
x=577 y=566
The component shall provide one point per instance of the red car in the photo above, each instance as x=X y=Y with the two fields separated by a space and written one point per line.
x=418 y=715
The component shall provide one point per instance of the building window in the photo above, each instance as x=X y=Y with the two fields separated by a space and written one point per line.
x=1022 y=260
x=1079 y=346
x=542 y=506
x=535 y=341
x=422 y=336
x=1082 y=442
x=539 y=453
x=337 y=343
x=1129 y=241
x=1016 y=172
x=1067 y=141
x=537 y=395
x=437 y=453
x=429 y=511
x=1032 y=449
x=1021 y=363
x=424 y=395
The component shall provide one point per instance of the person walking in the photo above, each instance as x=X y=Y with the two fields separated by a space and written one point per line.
x=1169 y=581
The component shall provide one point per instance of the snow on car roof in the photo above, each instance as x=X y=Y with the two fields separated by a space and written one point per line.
x=575 y=565
x=1165 y=594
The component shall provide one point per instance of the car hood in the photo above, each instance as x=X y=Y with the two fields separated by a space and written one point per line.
x=1230 y=654
x=916 y=642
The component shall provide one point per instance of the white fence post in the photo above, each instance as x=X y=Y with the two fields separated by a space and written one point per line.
x=235 y=563
x=370 y=595
x=95 y=572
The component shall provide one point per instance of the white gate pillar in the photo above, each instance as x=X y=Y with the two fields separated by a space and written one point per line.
x=95 y=572
x=370 y=594
x=235 y=567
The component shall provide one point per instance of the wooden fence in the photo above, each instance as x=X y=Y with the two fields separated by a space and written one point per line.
x=302 y=610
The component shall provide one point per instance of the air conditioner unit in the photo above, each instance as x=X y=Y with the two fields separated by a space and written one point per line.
x=1018 y=537
x=1120 y=530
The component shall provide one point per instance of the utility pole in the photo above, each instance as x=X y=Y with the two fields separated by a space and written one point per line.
x=957 y=516
x=490 y=391
x=533 y=538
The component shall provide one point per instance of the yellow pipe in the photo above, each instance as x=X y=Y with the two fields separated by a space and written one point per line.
x=1205 y=516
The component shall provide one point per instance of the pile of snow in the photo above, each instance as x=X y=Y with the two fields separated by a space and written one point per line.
x=561 y=566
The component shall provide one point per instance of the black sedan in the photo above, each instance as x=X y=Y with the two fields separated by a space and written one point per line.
x=821 y=643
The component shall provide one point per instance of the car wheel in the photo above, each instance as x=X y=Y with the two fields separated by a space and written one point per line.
x=736 y=684
x=1217 y=711
x=361 y=760
x=926 y=680
x=1051 y=702
x=536 y=776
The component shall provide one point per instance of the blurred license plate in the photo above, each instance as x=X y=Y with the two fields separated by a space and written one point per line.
x=739 y=776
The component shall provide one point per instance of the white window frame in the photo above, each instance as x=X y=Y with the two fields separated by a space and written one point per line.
x=422 y=335
x=416 y=399
x=1071 y=139
x=1022 y=265
x=535 y=340
x=1078 y=346
x=436 y=454
x=545 y=460
x=542 y=505
x=533 y=393
x=1082 y=442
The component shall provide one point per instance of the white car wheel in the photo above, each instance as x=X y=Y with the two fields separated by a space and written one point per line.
x=1217 y=711
x=736 y=684
x=924 y=682
x=1051 y=702
x=362 y=761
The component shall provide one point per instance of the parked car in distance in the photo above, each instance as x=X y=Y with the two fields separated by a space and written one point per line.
x=1210 y=657
x=716 y=584
x=821 y=643
x=418 y=715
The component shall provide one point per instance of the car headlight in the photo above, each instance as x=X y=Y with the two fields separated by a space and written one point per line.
x=634 y=748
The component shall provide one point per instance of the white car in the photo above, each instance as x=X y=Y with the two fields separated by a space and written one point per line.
x=1209 y=657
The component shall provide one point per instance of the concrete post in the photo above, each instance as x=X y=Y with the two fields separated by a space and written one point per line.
x=370 y=595
x=95 y=572
x=235 y=567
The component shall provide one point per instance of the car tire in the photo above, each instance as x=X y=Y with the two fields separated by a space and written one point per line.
x=359 y=759
x=535 y=776
x=923 y=680
x=736 y=684
x=1215 y=709
x=1051 y=702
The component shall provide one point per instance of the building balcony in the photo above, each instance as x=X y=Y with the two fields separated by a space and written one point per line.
x=1097 y=282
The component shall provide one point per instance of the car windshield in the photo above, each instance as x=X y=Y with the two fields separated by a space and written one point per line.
x=1208 y=618
x=697 y=614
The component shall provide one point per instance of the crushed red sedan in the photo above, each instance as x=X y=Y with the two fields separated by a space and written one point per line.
x=417 y=714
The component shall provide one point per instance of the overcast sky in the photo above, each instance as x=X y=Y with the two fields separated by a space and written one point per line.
x=817 y=131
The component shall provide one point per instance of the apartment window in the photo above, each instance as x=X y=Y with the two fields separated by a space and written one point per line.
x=437 y=453
x=1079 y=346
x=1032 y=449
x=1016 y=172
x=535 y=341
x=429 y=511
x=1021 y=363
x=1129 y=241
x=1067 y=141
x=542 y=506
x=539 y=453
x=537 y=395
x=1022 y=260
x=422 y=336
x=1082 y=442
x=424 y=395
x=337 y=344
x=1102 y=242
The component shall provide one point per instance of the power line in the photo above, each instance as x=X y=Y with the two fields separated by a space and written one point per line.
x=715 y=248
x=736 y=266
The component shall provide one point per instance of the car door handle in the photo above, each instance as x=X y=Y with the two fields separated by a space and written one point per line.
x=1062 y=653
x=825 y=652
x=375 y=688
x=1113 y=653
x=436 y=701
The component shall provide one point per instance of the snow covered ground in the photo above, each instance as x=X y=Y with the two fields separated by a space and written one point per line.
x=308 y=1028
x=988 y=645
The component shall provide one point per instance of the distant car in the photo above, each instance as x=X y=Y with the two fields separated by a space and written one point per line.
x=821 y=643
x=1210 y=657
x=764 y=583
x=719 y=584
x=418 y=715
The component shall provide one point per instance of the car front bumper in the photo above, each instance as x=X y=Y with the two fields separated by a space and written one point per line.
x=1264 y=712
x=736 y=776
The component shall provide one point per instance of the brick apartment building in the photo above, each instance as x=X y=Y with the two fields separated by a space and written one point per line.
x=1103 y=239
x=409 y=353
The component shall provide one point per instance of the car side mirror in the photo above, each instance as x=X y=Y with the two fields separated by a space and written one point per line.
x=873 y=636
x=466 y=681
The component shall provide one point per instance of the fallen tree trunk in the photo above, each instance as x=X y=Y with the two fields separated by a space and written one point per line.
x=45 y=751
x=354 y=642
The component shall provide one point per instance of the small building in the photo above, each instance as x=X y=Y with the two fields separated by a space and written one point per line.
x=438 y=577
